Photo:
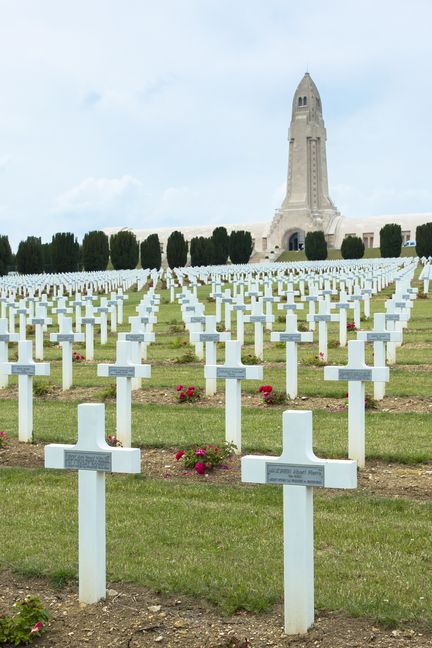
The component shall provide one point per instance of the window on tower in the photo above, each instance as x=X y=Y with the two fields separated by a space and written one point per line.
x=300 y=101
x=304 y=101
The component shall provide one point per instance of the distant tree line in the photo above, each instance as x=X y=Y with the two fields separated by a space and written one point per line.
x=123 y=251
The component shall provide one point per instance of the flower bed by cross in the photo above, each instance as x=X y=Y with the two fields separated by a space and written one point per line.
x=204 y=458
x=188 y=394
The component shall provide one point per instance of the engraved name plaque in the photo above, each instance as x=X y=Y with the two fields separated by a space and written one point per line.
x=86 y=460
x=239 y=307
x=121 y=372
x=4 y=337
x=257 y=319
x=392 y=317
x=88 y=320
x=322 y=318
x=60 y=311
x=197 y=319
x=294 y=474
x=190 y=308
x=38 y=320
x=400 y=304
x=209 y=337
x=134 y=337
x=355 y=374
x=290 y=337
x=65 y=337
x=23 y=370
x=378 y=337
x=231 y=372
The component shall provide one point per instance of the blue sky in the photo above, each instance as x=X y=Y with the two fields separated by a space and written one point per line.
x=175 y=112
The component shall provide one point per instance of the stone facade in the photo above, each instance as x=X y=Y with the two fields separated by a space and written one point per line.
x=307 y=205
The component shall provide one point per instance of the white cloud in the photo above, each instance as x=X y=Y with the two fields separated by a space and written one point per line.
x=98 y=194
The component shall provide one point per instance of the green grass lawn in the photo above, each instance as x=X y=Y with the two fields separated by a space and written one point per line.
x=224 y=543
x=372 y=556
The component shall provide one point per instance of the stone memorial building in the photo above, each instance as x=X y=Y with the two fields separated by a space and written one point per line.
x=307 y=205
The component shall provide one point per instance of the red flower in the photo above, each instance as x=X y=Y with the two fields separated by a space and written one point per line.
x=180 y=454
x=182 y=396
x=179 y=387
x=267 y=389
x=189 y=392
x=346 y=394
x=200 y=468
x=192 y=388
x=36 y=628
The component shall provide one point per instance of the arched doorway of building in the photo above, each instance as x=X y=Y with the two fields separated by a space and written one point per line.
x=296 y=241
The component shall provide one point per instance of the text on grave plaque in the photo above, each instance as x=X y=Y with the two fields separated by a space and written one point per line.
x=87 y=460
x=294 y=474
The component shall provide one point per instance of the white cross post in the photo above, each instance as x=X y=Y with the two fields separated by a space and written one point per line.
x=312 y=300
x=258 y=319
x=5 y=338
x=239 y=308
x=379 y=336
x=210 y=336
x=25 y=369
x=89 y=321
x=22 y=312
x=298 y=470
x=40 y=322
x=227 y=301
x=233 y=372
x=323 y=318
x=78 y=303
x=394 y=324
x=103 y=312
x=92 y=457
x=291 y=336
x=357 y=372
x=123 y=371
x=136 y=338
x=66 y=337
x=342 y=306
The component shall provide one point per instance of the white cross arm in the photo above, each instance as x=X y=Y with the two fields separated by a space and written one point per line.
x=362 y=374
x=137 y=337
x=293 y=306
x=67 y=337
x=41 y=321
x=378 y=336
x=123 y=371
x=9 y=337
x=28 y=369
x=241 y=372
x=196 y=336
x=259 y=319
x=284 y=336
x=298 y=465
x=123 y=460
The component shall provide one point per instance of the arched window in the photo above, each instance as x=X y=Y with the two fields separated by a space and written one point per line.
x=304 y=101
x=300 y=101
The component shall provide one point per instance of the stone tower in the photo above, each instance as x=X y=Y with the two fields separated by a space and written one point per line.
x=307 y=205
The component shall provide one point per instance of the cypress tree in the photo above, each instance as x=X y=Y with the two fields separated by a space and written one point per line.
x=315 y=246
x=95 y=250
x=5 y=255
x=64 y=252
x=151 y=253
x=424 y=240
x=124 y=250
x=177 y=249
x=352 y=248
x=220 y=241
x=391 y=240
x=29 y=257
x=240 y=246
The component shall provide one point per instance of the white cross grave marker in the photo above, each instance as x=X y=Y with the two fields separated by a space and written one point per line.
x=233 y=372
x=323 y=318
x=136 y=338
x=210 y=336
x=25 y=369
x=66 y=337
x=5 y=338
x=123 y=371
x=298 y=470
x=92 y=457
x=258 y=319
x=291 y=336
x=40 y=322
x=379 y=336
x=357 y=372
